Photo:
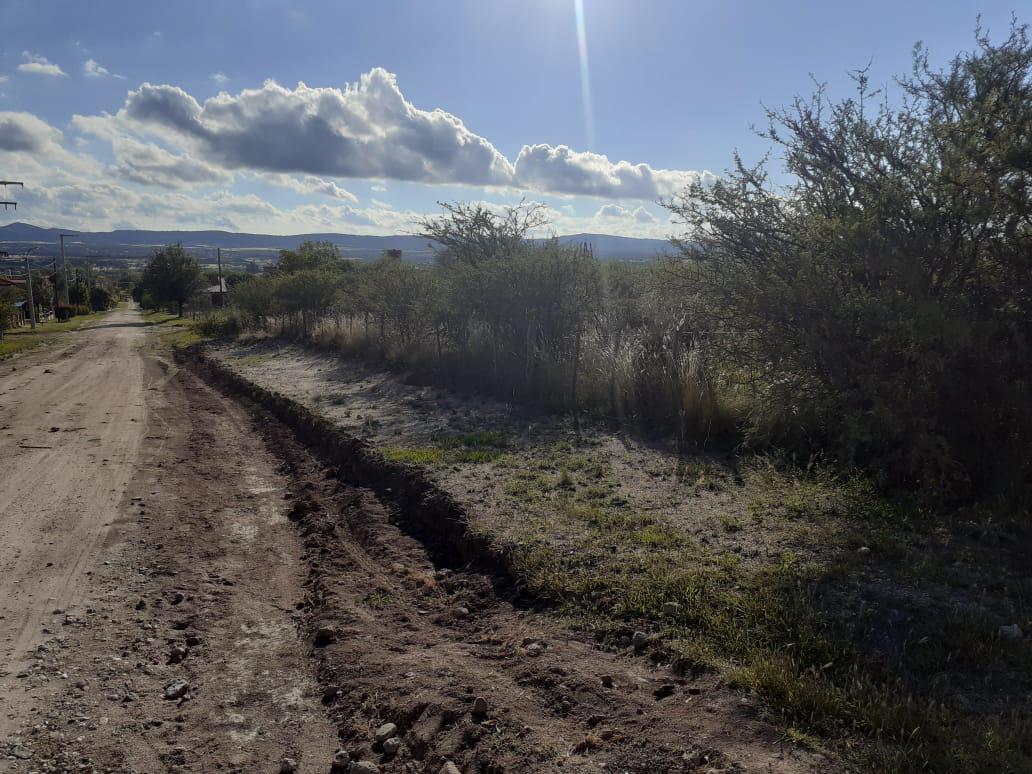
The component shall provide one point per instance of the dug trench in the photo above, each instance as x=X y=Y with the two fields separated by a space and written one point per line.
x=431 y=657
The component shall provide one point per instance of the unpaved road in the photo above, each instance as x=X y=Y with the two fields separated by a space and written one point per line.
x=71 y=427
x=173 y=538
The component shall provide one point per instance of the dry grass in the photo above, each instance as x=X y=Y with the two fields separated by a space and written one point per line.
x=862 y=623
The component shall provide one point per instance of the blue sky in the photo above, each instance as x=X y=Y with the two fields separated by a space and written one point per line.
x=675 y=88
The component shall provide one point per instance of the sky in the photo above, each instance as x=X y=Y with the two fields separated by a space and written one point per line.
x=358 y=117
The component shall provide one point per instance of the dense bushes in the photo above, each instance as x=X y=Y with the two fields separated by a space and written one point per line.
x=876 y=308
x=879 y=303
x=528 y=321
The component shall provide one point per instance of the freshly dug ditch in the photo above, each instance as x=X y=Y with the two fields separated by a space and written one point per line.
x=426 y=655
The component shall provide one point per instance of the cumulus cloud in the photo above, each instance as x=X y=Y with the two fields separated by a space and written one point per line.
x=24 y=132
x=616 y=212
x=92 y=69
x=39 y=65
x=559 y=169
x=370 y=130
x=366 y=130
x=219 y=77
x=149 y=164
x=310 y=184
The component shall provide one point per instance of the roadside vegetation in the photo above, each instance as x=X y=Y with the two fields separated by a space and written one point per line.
x=89 y=299
x=841 y=366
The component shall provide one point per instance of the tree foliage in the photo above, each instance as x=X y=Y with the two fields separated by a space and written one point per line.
x=879 y=303
x=172 y=276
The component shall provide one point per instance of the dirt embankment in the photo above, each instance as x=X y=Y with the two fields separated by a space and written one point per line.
x=416 y=631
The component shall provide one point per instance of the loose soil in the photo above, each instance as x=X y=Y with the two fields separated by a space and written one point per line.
x=202 y=543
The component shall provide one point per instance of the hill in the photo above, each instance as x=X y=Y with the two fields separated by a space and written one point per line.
x=17 y=237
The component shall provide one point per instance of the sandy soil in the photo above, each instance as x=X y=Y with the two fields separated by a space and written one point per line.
x=150 y=545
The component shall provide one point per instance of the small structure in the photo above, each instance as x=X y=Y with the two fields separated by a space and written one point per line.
x=21 y=310
x=218 y=293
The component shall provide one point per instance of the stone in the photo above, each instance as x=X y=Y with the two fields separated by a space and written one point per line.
x=177 y=654
x=288 y=766
x=449 y=768
x=1011 y=632
x=341 y=761
x=864 y=550
x=480 y=706
x=364 y=767
x=177 y=689
x=607 y=681
x=461 y=612
x=639 y=640
x=391 y=746
x=671 y=609
x=385 y=732
x=535 y=649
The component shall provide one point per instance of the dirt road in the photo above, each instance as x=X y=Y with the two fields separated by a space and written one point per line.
x=71 y=426
x=145 y=542
x=188 y=588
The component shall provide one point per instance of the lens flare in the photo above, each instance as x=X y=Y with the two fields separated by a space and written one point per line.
x=585 y=75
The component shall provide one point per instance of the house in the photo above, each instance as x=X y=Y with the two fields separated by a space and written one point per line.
x=218 y=293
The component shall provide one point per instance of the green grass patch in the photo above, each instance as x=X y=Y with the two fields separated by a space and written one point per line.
x=24 y=338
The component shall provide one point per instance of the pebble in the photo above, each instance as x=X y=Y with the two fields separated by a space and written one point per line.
x=461 y=612
x=863 y=550
x=176 y=689
x=288 y=766
x=363 y=767
x=341 y=761
x=449 y=768
x=639 y=640
x=385 y=732
x=391 y=746
x=670 y=609
x=535 y=649
x=480 y=706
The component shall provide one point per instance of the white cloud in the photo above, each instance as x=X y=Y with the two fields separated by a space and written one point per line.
x=311 y=184
x=562 y=170
x=39 y=65
x=24 y=132
x=149 y=164
x=369 y=130
x=4 y=79
x=616 y=212
x=365 y=130
x=92 y=69
x=219 y=77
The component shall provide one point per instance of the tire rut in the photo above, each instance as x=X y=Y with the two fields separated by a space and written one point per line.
x=407 y=628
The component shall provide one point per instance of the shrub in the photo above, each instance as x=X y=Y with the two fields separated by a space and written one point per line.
x=879 y=304
x=100 y=299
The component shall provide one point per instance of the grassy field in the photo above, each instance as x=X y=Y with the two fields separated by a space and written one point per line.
x=22 y=339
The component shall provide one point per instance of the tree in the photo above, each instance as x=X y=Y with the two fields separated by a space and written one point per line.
x=172 y=276
x=310 y=256
x=880 y=303
x=7 y=316
x=100 y=299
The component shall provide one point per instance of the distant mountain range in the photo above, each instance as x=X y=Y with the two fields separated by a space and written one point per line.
x=127 y=244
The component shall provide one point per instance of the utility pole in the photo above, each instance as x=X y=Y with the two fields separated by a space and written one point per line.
x=64 y=268
x=28 y=283
x=4 y=184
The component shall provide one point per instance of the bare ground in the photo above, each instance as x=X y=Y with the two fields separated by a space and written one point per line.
x=293 y=636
